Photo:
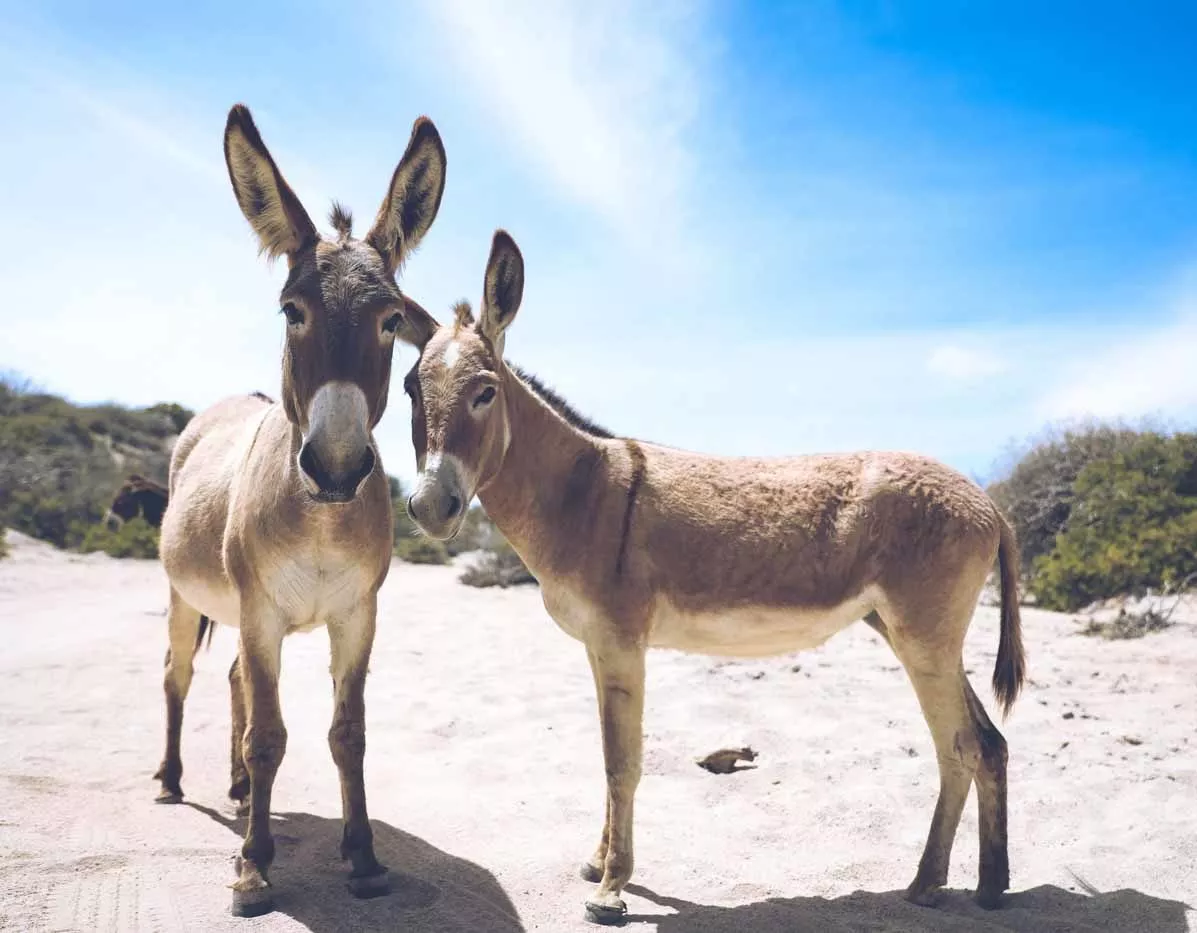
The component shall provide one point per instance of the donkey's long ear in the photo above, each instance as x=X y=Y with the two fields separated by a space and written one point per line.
x=417 y=326
x=267 y=201
x=414 y=196
x=502 y=289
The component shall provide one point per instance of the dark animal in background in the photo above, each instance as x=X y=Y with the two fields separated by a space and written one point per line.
x=138 y=496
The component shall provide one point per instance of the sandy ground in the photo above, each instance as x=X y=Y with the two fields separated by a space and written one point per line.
x=486 y=784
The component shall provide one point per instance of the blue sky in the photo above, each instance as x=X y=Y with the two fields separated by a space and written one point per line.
x=747 y=228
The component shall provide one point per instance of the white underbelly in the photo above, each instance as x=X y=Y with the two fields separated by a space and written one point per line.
x=218 y=602
x=753 y=631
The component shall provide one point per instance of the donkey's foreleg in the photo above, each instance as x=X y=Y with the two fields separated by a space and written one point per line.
x=183 y=623
x=263 y=747
x=592 y=868
x=351 y=640
x=619 y=672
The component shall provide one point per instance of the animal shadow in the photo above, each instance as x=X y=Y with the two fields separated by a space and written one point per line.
x=431 y=890
x=1045 y=908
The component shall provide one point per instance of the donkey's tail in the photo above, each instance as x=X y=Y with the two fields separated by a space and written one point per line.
x=206 y=625
x=1010 y=669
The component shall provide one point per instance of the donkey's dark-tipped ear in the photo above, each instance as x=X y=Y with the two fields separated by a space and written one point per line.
x=503 y=287
x=414 y=196
x=417 y=326
x=267 y=201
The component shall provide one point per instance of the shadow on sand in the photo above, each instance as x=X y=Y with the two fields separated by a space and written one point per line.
x=1046 y=908
x=431 y=891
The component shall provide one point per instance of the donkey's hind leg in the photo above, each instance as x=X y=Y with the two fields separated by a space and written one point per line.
x=238 y=773
x=183 y=622
x=991 y=806
x=938 y=678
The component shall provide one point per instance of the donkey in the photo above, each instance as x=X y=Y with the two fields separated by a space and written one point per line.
x=137 y=496
x=637 y=545
x=144 y=497
x=279 y=517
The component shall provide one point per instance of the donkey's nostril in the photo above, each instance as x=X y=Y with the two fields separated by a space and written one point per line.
x=310 y=465
x=454 y=507
x=364 y=469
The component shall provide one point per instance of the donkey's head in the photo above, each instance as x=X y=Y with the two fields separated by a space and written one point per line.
x=137 y=496
x=342 y=305
x=460 y=421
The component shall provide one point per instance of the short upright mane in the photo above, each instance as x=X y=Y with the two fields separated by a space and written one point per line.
x=558 y=404
x=341 y=220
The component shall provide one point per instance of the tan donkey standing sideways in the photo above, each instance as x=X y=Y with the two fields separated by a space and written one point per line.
x=638 y=546
x=279 y=516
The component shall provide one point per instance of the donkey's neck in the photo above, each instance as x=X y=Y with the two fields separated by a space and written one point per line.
x=551 y=481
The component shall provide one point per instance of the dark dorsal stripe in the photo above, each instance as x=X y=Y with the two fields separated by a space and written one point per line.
x=638 y=469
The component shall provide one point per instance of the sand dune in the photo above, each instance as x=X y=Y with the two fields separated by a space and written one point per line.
x=485 y=778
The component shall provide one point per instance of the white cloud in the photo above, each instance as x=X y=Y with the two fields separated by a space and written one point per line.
x=1143 y=374
x=598 y=97
x=963 y=364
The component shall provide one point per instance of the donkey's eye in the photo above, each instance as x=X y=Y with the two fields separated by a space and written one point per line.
x=294 y=315
x=485 y=397
x=391 y=324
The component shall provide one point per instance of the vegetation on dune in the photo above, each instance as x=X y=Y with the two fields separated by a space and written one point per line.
x=61 y=463
x=498 y=565
x=134 y=538
x=421 y=550
x=1101 y=510
x=1104 y=511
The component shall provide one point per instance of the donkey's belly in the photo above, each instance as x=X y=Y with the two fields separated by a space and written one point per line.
x=219 y=602
x=753 y=631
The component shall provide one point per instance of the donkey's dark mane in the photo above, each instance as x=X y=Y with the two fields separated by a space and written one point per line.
x=341 y=219
x=547 y=395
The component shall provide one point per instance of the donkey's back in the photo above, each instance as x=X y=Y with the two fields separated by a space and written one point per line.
x=203 y=472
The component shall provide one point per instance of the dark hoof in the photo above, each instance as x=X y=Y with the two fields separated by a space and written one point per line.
x=371 y=885
x=239 y=790
x=611 y=912
x=253 y=902
x=591 y=873
x=169 y=796
x=989 y=898
x=923 y=895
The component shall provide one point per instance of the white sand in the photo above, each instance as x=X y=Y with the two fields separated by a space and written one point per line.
x=485 y=778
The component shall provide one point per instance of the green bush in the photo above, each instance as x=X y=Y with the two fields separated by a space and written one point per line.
x=499 y=565
x=1037 y=493
x=3 y=542
x=60 y=464
x=1131 y=527
x=421 y=550
x=136 y=538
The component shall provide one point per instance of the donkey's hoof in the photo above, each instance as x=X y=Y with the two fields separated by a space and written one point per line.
x=606 y=909
x=168 y=795
x=925 y=895
x=591 y=872
x=375 y=885
x=252 y=902
x=989 y=898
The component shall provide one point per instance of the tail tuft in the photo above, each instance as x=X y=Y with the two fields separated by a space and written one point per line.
x=1010 y=669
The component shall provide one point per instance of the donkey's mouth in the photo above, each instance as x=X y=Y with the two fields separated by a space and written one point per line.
x=333 y=496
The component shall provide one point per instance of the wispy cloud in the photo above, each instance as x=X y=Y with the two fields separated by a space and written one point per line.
x=598 y=98
x=1139 y=374
x=963 y=363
